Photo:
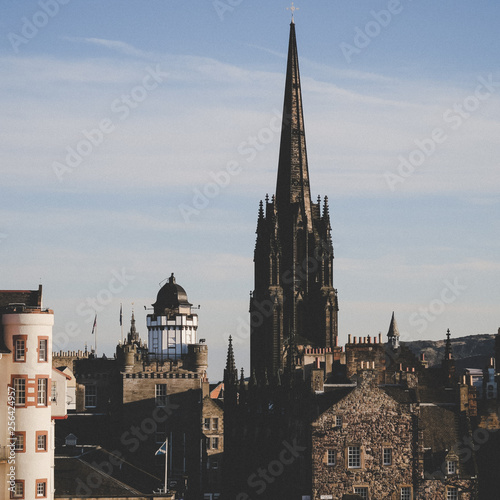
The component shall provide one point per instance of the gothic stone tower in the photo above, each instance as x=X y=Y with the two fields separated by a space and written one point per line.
x=294 y=303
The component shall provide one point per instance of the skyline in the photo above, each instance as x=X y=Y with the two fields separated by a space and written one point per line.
x=176 y=116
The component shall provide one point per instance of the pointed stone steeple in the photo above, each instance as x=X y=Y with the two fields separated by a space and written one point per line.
x=393 y=333
x=293 y=302
x=230 y=372
x=293 y=174
x=448 y=363
x=132 y=336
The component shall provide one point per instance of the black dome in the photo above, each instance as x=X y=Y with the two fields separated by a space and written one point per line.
x=170 y=297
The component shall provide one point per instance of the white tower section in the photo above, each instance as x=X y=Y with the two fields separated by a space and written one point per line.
x=26 y=428
x=172 y=327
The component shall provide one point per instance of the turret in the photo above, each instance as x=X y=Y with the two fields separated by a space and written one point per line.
x=393 y=333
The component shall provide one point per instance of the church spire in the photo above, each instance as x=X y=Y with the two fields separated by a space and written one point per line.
x=293 y=175
x=230 y=373
x=448 y=363
x=393 y=333
x=133 y=336
x=293 y=252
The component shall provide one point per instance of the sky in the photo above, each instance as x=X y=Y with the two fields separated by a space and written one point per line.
x=139 y=137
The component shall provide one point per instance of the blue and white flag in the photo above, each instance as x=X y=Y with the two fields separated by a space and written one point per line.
x=162 y=450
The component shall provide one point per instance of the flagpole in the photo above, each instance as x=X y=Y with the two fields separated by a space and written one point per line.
x=94 y=332
x=166 y=464
x=121 y=321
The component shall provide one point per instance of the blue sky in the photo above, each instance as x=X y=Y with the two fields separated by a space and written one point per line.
x=166 y=100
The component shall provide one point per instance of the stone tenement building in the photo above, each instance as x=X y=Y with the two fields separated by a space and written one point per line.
x=314 y=420
x=132 y=403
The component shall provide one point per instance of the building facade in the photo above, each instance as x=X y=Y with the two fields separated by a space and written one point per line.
x=27 y=417
x=149 y=394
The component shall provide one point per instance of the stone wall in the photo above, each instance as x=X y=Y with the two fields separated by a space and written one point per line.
x=433 y=489
x=374 y=421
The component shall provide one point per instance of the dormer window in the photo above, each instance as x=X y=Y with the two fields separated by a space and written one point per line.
x=451 y=467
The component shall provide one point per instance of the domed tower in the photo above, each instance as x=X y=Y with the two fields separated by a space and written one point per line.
x=172 y=327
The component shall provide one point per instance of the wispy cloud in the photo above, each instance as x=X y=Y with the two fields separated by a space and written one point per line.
x=114 y=45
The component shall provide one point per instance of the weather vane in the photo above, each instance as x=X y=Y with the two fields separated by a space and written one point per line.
x=293 y=9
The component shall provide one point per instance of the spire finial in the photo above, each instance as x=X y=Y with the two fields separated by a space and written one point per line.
x=293 y=9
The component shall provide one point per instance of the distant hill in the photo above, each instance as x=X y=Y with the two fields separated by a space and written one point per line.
x=473 y=351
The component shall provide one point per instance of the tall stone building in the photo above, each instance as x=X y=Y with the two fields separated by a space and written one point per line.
x=314 y=421
x=294 y=302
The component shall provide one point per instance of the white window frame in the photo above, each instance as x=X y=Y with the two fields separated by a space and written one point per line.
x=362 y=491
x=330 y=457
x=338 y=420
x=18 y=485
x=20 y=350
x=387 y=456
x=406 y=493
x=42 y=351
x=90 y=396
x=215 y=443
x=19 y=442
x=452 y=494
x=41 y=392
x=43 y=438
x=354 y=457
x=19 y=385
x=41 y=489
x=451 y=467
x=161 y=394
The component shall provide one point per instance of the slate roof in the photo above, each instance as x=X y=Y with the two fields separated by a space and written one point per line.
x=441 y=435
x=30 y=298
x=97 y=472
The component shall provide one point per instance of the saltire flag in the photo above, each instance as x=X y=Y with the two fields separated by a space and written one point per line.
x=162 y=450
x=95 y=324
x=121 y=316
